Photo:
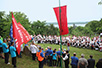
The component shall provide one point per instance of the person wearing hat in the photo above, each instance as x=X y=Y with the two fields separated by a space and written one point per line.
x=74 y=61
x=82 y=63
x=40 y=56
x=91 y=62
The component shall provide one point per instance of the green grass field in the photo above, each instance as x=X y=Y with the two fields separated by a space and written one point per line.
x=26 y=61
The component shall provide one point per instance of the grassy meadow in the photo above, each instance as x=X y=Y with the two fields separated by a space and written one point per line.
x=26 y=61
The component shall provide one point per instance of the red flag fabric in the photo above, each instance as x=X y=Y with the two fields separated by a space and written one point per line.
x=17 y=34
x=63 y=25
x=25 y=33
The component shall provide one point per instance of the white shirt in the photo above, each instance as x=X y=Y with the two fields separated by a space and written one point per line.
x=33 y=49
x=22 y=47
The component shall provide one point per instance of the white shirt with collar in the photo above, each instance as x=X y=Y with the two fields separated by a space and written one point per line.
x=33 y=49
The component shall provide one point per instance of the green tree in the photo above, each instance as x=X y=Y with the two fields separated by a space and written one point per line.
x=4 y=25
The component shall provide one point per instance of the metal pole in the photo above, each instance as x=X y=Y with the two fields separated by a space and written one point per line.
x=60 y=33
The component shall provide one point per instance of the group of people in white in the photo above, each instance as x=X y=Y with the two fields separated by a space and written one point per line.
x=80 y=41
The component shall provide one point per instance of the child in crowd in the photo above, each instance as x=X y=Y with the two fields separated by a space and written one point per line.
x=54 y=58
x=13 y=54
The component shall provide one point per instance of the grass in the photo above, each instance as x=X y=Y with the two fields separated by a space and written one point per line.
x=26 y=61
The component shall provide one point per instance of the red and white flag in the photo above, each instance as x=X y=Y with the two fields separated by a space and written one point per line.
x=25 y=33
x=17 y=34
x=63 y=24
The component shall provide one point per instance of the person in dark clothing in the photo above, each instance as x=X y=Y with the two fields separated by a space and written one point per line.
x=9 y=43
x=66 y=59
x=99 y=64
x=91 y=62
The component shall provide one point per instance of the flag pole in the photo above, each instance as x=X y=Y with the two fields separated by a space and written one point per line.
x=60 y=33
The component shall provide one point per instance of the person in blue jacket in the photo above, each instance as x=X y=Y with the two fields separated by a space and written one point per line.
x=54 y=58
x=1 y=50
x=59 y=57
x=74 y=61
x=13 y=54
x=6 y=51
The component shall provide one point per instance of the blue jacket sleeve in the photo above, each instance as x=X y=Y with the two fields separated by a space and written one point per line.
x=41 y=54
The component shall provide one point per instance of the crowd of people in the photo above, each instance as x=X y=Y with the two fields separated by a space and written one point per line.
x=80 y=41
x=7 y=48
x=48 y=56
x=53 y=58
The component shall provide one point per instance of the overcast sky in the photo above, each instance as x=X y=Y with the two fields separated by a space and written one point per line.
x=77 y=10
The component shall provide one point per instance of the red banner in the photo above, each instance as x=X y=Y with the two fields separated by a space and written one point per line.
x=63 y=24
x=25 y=33
x=17 y=34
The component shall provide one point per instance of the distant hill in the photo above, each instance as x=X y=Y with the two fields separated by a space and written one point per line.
x=68 y=23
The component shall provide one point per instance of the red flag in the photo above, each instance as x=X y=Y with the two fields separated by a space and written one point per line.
x=63 y=25
x=17 y=34
x=25 y=33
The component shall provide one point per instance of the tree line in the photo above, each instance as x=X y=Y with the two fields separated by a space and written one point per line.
x=92 y=28
x=39 y=27
x=35 y=27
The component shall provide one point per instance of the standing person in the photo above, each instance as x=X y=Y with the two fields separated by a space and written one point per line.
x=9 y=43
x=59 y=57
x=50 y=57
x=82 y=62
x=33 y=50
x=99 y=64
x=91 y=62
x=74 y=61
x=13 y=54
x=6 y=51
x=92 y=44
x=54 y=58
x=68 y=44
x=1 y=50
x=66 y=59
x=49 y=52
x=40 y=56
x=46 y=57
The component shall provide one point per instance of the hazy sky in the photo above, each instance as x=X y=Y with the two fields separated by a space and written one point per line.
x=77 y=10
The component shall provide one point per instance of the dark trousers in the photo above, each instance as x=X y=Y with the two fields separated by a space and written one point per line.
x=6 y=57
x=46 y=61
x=54 y=62
x=41 y=64
x=50 y=59
x=66 y=64
x=14 y=61
x=59 y=62
x=33 y=56
x=74 y=66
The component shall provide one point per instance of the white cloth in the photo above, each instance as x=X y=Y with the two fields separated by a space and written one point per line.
x=65 y=58
x=22 y=47
x=33 y=49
